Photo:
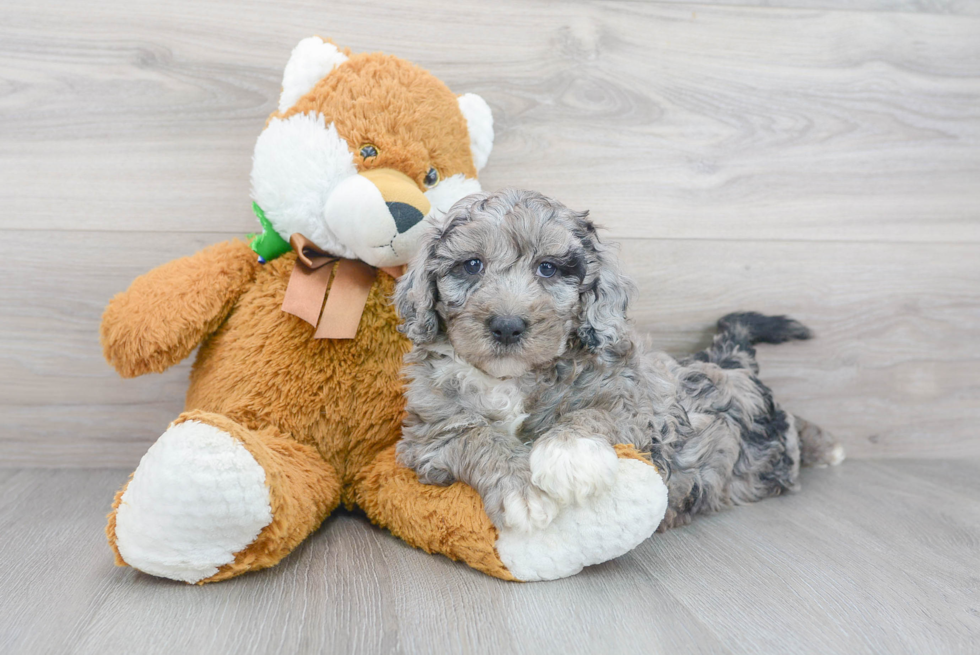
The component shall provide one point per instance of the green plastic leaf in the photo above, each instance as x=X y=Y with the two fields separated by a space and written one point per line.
x=269 y=244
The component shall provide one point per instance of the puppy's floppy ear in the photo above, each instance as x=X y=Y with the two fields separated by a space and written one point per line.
x=416 y=294
x=605 y=294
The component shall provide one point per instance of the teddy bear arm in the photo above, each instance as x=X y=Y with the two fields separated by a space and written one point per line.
x=167 y=312
x=448 y=520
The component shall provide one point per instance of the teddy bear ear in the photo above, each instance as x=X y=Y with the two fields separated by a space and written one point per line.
x=479 y=123
x=311 y=61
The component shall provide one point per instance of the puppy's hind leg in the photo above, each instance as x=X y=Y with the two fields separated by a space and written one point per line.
x=817 y=446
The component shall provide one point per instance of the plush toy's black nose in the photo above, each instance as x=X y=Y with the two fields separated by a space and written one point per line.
x=406 y=216
x=507 y=329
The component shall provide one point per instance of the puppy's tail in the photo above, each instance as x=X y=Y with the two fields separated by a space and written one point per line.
x=732 y=347
x=749 y=328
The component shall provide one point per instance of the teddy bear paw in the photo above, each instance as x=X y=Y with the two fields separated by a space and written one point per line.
x=608 y=525
x=197 y=498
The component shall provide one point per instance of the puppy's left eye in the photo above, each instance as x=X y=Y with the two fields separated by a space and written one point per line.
x=472 y=266
x=547 y=269
x=431 y=178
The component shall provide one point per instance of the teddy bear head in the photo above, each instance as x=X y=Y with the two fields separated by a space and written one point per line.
x=365 y=151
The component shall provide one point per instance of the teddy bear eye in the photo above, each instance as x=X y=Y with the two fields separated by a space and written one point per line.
x=368 y=150
x=472 y=266
x=547 y=269
x=431 y=178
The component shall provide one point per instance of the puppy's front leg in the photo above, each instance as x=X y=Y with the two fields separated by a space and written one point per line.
x=492 y=462
x=575 y=460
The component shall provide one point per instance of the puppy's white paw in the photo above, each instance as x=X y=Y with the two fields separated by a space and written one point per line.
x=528 y=509
x=197 y=498
x=573 y=470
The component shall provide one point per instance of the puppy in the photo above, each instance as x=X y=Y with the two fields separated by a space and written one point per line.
x=525 y=372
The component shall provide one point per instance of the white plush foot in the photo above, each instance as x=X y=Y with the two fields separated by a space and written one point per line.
x=529 y=509
x=573 y=470
x=605 y=527
x=197 y=498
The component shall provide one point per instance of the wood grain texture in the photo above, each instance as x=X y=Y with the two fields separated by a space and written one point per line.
x=964 y=7
x=866 y=559
x=797 y=159
x=728 y=122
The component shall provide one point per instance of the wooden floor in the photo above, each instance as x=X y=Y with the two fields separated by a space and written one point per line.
x=871 y=557
x=813 y=157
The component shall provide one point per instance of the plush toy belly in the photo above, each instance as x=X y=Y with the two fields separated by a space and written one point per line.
x=263 y=367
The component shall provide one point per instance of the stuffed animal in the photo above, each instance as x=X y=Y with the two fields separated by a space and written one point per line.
x=295 y=398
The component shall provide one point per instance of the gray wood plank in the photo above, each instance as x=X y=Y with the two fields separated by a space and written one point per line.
x=892 y=369
x=860 y=561
x=953 y=477
x=955 y=7
x=724 y=122
x=856 y=554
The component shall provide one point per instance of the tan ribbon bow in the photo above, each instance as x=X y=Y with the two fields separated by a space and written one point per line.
x=308 y=284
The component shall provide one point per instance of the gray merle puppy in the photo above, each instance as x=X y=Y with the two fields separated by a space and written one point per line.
x=525 y=372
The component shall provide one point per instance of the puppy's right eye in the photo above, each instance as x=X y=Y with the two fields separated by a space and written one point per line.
x=472 y=266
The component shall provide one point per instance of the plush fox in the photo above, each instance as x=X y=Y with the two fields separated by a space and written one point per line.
x=295 y=398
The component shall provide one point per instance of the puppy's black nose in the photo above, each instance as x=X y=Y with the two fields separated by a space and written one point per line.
x=507 y=329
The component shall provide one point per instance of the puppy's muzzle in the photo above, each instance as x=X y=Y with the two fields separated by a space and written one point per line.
x=507 y=329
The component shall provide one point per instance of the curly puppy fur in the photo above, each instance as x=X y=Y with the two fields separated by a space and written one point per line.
x=525 y=372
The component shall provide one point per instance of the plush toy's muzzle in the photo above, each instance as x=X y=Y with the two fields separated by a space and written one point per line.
x=379 y=211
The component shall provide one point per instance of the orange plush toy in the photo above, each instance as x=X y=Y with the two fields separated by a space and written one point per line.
x=295 y=399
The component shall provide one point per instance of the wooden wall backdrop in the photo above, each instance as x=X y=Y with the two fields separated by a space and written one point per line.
x=814 y=157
